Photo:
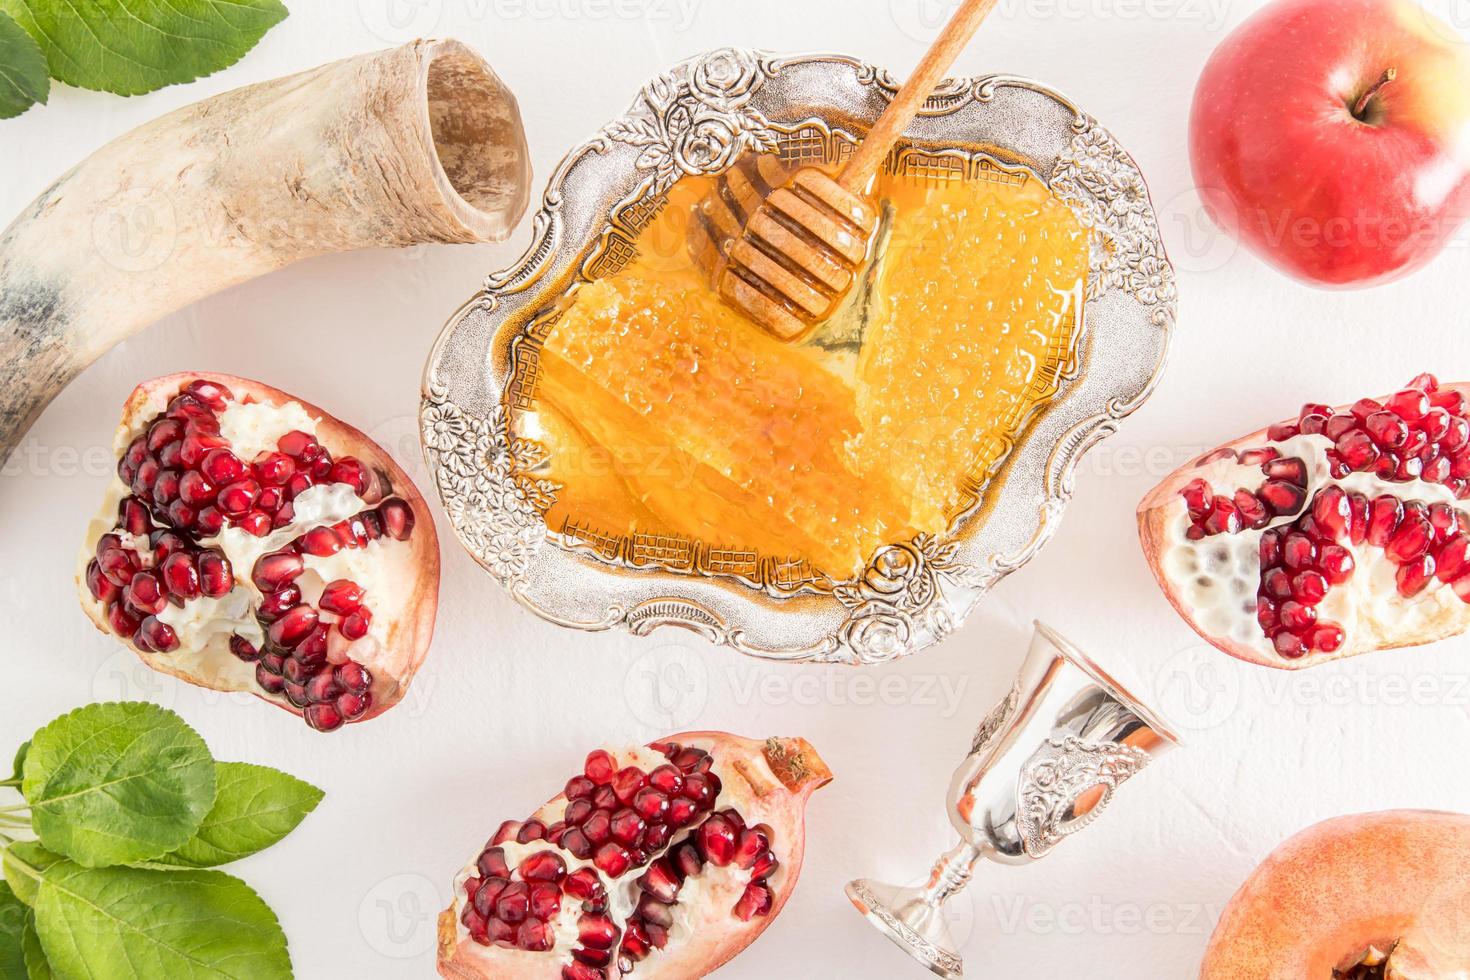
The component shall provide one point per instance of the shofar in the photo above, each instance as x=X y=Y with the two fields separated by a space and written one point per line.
x=421 y=143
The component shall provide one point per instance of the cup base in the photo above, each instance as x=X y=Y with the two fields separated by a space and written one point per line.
x=914 y=925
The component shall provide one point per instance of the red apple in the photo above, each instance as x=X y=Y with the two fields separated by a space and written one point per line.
x=1332 y=137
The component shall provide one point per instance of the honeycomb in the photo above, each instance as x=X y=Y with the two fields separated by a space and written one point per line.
x=668 y=413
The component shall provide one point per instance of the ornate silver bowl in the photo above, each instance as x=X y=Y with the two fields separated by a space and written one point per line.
x=698 y=119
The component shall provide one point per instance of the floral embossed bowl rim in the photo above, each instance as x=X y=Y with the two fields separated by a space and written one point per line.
x=696 y=119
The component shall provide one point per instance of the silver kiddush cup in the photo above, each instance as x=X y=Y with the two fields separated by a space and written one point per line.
x=1044 y=764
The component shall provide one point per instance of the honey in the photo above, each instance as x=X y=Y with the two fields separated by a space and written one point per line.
x=681 y=434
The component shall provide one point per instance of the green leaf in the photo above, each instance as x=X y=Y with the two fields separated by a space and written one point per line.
x=20 y=760
x=255 y=808
x=24 y=80
x=23 y=863
x=117 y=783
x=36 y=966
x=173 y=924
x=134 y=46
x=13 y=915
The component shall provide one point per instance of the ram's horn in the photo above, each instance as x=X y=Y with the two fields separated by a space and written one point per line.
x=421 y=143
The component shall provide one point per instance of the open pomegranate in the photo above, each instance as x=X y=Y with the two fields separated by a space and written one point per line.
x=1332 y=534
x=251 y=542
x=660 y=862
x=1376 y=896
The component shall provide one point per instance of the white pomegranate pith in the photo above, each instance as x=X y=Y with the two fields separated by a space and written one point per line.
x=1338 y=530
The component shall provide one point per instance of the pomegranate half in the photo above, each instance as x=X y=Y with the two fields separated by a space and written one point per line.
x=251 y=542
x=1376 y=896
x=661 y=863
x=1335 y=533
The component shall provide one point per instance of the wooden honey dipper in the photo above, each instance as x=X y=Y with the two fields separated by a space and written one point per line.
x=784 y=252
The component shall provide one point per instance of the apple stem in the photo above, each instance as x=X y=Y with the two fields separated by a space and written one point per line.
x=1360 y=108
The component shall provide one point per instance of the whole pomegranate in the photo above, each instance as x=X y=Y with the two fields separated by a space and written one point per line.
x=1333 y=533
x=251 y=542
x=661 y=863
x=1376 y=896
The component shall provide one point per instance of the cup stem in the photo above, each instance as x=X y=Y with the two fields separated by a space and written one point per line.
x=950 y=874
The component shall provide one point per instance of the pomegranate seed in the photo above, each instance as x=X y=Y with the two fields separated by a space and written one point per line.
x=597 y=932
x=654 y=912
x=1197 y=497
x=1253 y=513
x=1411 y=405
x=1356 y=449
x=766 y=864
x=212 y=393
x=341 y=597
x=1258 y=457
x=1331 y=511
x=133 y=517
x=146 y=593
x=626 y=827
x=321 y=542
x=1412 y=576
x=293 y=626
x=1436 y=469
x=1297 y=617
x=159 y=635
x=271 y=683
x=627 y=782
x=276 y=604
x=1457 y=434
x=753 y=843
x=1336 y=563
x=661 y=881
x=543 y=866
x=600 y=767
x=97 y=583
x=1384 y=517
x=216 y=577
x=1312 y=423
x=697 y=787
x=1298 y=551
x=1358 y=527
x=613 y=860
x=1289 y=645
x=667 y=779
x=397 y=518
x=123 y=623
x=1267 y=614
x=1281 y=497
x=513 y=904
x=1270 y=549
x=598 y=826
x=531 y=830
x=323 y=717
x=355 y=627
x=244 y=649
x=1223 y=518
x=297 y=443
x=276 y=569
x=1338 y=426
x=545 y=899
x=256 y=523
x=757 y=900
x=350 y=472
x=321 y=687
x=353 y=705
x=181 y=575
x=354 y=678
x=1282 y=431
x=577 y=812
x=1451 y=560
x=1387 y=429
x=650 y=804
x=687 y=859
x=491 y=863
x=1411 y=539
x=576 y=842
x=717 y=840
x=274 y=469
x=118 y=565
x=236 y=499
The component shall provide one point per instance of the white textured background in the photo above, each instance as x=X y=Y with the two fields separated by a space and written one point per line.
x=506 y=705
